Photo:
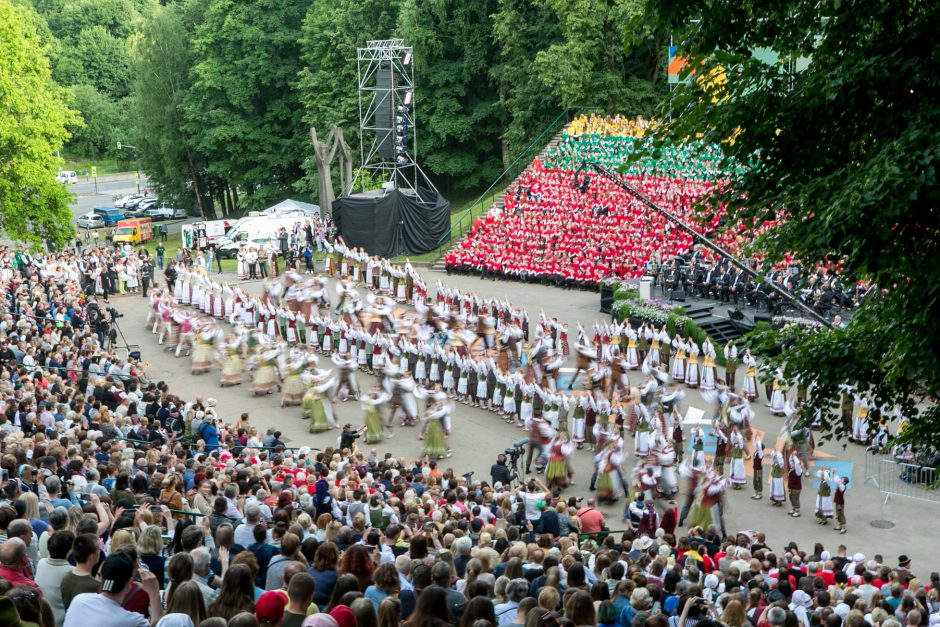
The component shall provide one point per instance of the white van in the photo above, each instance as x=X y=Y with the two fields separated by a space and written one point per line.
x=255 y=228
x=67 y=177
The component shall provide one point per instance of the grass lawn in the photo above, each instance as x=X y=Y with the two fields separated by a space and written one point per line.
x=104 y=165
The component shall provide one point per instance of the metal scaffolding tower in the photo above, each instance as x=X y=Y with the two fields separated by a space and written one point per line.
x=388 y=134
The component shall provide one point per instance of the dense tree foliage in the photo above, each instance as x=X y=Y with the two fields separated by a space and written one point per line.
x=848 y=149
x=218 y=95
x=33 y=119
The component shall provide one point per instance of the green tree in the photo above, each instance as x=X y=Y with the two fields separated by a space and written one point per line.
x=332 y=31
x=522 y=29
x=848 y=150
x=33 y=119
x=94 y=135
x=163 y=69
x=606 y=56
x=96 y=58
x=457 y=104
x=244 y=111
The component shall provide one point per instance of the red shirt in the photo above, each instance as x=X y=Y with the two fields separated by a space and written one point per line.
x=16 y=578
x=592 y=520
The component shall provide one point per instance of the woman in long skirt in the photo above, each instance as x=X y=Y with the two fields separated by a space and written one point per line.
x=435 y=440
x=578 y=421
x=738 y=475
x=293 y=388
x=509 y=399
x=317 y=407
x=678 y=362
x=265 y=377
x=708 y=373
x=232 y=366
x=777 y=491
x=556 y=473
x=778 y=399
x=203 y=352
x=750 y=376
x=371 y=404
x=691 y=370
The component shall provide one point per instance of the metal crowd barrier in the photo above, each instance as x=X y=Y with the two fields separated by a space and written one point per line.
x=895 y=477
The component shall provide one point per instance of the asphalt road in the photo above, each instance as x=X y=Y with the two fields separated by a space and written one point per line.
x=88 y=195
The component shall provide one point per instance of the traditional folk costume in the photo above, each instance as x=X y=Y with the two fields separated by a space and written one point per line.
x=738 y=476
x=371 y=404
x=691 y=371
x=708 y=370
x=293 y=386
x=203 y=352
x=435 y=442
x=668 y=483
x=232 y=367
x=708 y=509
x=264 y=380
x=731 y=364
x=778 y=398
x=758 y=467
x=824 y=508
x=317 y=406
x=838 y=499
x=795 y=483
x=678 y=362
x=860 y=421
x=750 y=377
x=777 y=491
x=609 y=481
x=557 y=473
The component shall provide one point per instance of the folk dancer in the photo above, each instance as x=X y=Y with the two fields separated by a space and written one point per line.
x=750 y=376
x=777 y=486
x=838 y=499
x=709 y=508
x=795 y=482
x=558 y=473
x=317 y=405
x=827 y=483
x=731 y=364
x=738 y=455
x=372 y=406
x=758 y=465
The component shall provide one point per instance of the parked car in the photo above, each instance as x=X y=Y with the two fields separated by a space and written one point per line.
x=147 y=203
x=110 y=215
x=136 y=212
x=133 y=202
x=157 y=215
x=68 y=177
x=179 y=214
x=121 y=203
x=90 y=220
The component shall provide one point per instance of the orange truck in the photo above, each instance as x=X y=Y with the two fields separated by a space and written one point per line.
x=135 y=231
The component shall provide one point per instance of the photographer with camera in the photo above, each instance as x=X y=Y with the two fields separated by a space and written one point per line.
x=500 y=472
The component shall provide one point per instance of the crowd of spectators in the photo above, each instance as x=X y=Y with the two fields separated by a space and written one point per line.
x=125 y=505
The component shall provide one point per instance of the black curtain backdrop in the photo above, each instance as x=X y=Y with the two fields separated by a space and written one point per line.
x=371 y=222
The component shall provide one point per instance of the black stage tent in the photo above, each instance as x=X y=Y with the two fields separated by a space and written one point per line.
x=389 y=223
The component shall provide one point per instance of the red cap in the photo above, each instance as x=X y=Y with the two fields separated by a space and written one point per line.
x=344 y=616
x=269 y=609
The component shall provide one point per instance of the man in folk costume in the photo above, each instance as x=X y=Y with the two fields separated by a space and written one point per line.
x=778 y=492
x=644 y=480
x=721 y=449
x=758 y=465
x=642 y=429
x=827 y=483
x=794 y=482
x=838 y=500
x=738 y=455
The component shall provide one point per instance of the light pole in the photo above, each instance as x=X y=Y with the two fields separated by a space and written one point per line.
x=120 y=146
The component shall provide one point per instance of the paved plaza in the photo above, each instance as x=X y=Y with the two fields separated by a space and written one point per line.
x=478 y=435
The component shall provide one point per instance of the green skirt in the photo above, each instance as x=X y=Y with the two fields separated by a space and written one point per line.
x=701 y=516
x=374 y=430
x=316 y=414
x=557 y=472
x=434 y=444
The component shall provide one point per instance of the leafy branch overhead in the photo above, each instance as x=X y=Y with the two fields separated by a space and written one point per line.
x=846 y=147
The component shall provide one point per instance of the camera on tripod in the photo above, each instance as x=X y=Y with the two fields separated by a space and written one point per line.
x=515 y=451
x=114 y=313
